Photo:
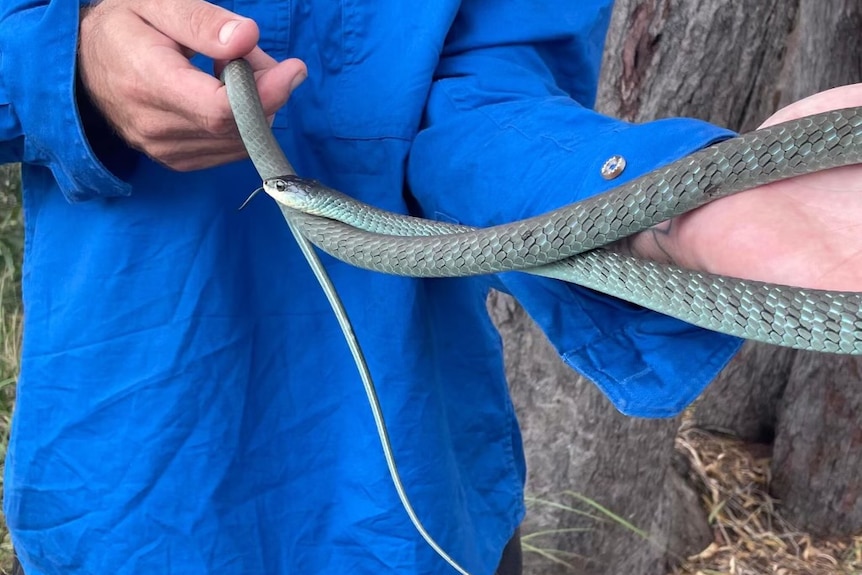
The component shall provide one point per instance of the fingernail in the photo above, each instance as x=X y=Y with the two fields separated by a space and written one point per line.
x=297 y=81
x=227 y=31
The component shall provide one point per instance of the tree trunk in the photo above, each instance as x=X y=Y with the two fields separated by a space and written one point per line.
x=732 y=63
x=743 y=400
x=577 y=443
x=818 y=445
x=803 y=399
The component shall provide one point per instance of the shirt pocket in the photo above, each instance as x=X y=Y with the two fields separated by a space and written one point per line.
x=272 y=18
x=390 y=50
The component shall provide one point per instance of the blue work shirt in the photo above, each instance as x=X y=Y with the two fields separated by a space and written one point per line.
x=187 y=404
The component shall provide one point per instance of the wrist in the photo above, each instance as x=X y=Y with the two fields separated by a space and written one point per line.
x=104 y=141
x=672 y=242
x=107 y=146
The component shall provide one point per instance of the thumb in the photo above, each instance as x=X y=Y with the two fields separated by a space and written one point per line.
x=836 y=98
x=203 y=27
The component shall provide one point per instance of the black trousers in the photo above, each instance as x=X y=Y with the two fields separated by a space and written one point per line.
x=511 y=563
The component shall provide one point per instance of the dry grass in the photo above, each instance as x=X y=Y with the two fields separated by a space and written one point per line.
x=751 y=537
x=10 y=338
x=11 y=238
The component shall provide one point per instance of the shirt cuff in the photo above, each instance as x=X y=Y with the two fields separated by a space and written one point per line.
x=646 y=363
x=39 y=71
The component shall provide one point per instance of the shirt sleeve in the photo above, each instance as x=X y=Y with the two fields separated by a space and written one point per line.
x=509 y=133
x=40 y=121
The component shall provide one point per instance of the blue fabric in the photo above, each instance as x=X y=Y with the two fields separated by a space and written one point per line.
x=187 y=404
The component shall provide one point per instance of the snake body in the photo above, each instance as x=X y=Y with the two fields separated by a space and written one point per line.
x=567 y=243
x=818 y=320
x=563 y=243
x=814 y=143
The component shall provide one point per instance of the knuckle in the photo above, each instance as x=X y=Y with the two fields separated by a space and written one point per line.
x=183 y=165
x=147 y=131
x=219 y=125
x=145 y=136
x=138 y=143
x=170 y=157
x=204 y=20
x=125 y=88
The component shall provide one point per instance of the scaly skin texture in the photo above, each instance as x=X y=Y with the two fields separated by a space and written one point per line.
x=558 y=244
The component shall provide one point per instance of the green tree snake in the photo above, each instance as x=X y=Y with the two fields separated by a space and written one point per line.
x=567 y=243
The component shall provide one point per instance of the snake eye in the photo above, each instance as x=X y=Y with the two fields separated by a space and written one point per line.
x=281 y=185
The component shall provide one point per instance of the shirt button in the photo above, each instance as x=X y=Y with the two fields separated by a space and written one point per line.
x=613 y=167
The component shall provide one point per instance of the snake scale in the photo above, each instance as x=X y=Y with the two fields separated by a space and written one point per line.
x=567 y=243
x=783 y=315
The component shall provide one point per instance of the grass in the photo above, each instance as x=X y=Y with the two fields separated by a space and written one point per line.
x=750 y=536
x=11 y=247
x=577 y=504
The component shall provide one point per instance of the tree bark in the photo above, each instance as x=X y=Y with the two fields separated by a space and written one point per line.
x=801 y=398
x=818 y=445
x=732 y=63
x=717 y=60
x=743 y=400
x=578 y=443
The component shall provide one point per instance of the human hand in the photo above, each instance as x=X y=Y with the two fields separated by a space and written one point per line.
x=805 y=231
x=133 y=60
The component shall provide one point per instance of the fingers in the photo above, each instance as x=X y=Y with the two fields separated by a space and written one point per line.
x=834 y=99
x=275 y=80
x=201 y=26
x=185 y=156
x=202 y=100
x=276 y=83
x=133 y=62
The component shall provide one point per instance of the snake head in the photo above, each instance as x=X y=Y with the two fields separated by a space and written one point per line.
x=291 y=191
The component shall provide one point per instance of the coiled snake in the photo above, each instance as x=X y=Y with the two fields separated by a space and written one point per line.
x=567 y=243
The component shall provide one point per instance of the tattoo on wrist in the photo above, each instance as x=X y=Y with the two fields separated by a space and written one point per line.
x=661 y=236
x=652 y=244
x=625 y=246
